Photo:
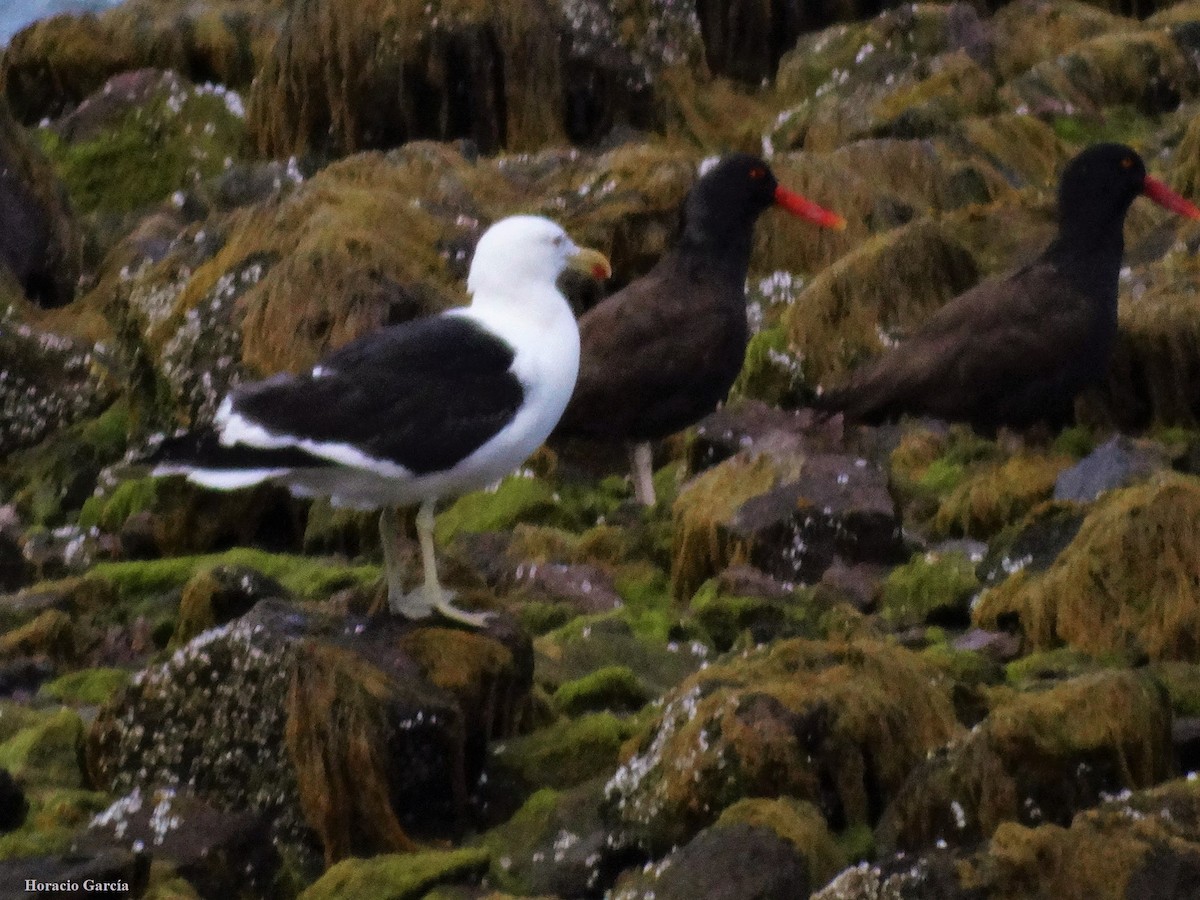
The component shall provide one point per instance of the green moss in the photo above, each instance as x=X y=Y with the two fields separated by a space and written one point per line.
x=1076 y=441
x=181 y=136
x=646 y=595
x=312 y=579
x=87 y=687
x=53 y=821
x=519 y=838
x=1125 y=584
x=395 y=876
x=857 y=843
x=48 y=753
x=770 y=373
x=1057 y=665
x=796 y=821
x=110 y=513
x=614 y=687
x=1182 y=681
x=1120 y=123
x=568 y=752
x=927 y=586
x=540 y=618
x=964 y=666
x=999 y=494
x=517 y=499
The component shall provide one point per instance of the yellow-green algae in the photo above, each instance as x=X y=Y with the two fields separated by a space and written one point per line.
x=517 y=498
x=796 y=821
x=998 y=494
x=892 y=280
x=407 y=876
x=929 y=584
x=86 y=687
x=870 y=712
x=1126 y=584
x=55 y=816
x=312 y=579
x=616 y=687
x=1023 y=761
x=567 y=752
x=701 y=546
x=52 y=634
x=48 y=753
x=336 y=738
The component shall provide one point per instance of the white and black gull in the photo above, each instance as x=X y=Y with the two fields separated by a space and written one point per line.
x=415 y=412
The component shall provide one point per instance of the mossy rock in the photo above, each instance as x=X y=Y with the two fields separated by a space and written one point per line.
x=48 y=753
x=932 y=588
x=795 y=821
x=998 y=494
x=893 y=280
x=1029 y=31
x=406 y=876
x=218 y=595
x=796 y=718
x=1182 y=682
x=1042 y=757
x=517 y=499
x=725 y=617
x=1049 y=666
x=53 y=821
x=1126 y=583
x=615 y=688
x=174 y=136
x=87 y=687
x=1145 y=69
x=52 y=633
x=56 y=62
x=566 y=753
x=1151 y=378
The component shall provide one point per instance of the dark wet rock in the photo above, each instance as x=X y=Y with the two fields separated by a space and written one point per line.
x=837 y=724
x=332 y=728
x=220 y=853
x=584 y=589
x=1032 y=544
x=1118 y=462
x=219 y=595
x=1124 y=583
x=858 y=584
x=126 y=872
x=13 y=805
x=1185 y=738
x=1042 y=757
x=725 y=862
x=556 y=844
x=40 y=240
x=748 y=425
x=15 y=569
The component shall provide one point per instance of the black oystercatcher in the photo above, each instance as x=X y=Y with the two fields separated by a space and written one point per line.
x=418 y=411
x=661 y=353
x=1015 y=352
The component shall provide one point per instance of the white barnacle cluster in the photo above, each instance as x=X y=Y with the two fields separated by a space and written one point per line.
x=868 y=880
x=628 y=786
x=118 y=813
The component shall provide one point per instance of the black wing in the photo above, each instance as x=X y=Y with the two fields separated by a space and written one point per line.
x=424 y=394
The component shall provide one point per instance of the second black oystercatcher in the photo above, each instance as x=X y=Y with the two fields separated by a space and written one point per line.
x=661 y=353
x=1015 y=352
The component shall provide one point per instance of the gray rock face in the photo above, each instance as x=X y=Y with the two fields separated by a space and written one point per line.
x=1119 y=462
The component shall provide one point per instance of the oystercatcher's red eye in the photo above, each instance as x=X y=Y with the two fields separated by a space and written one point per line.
x=1127 y=163
x=757 y=173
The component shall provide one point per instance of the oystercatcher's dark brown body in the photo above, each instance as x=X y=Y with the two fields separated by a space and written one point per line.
x=1016 y=352
x=661 y=353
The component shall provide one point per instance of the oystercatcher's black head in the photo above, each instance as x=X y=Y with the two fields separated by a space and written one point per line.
x=1099 y=184
x=730 y=196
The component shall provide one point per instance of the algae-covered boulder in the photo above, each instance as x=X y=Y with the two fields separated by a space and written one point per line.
x=336 y=731
x=143 y=136
x=39 y=238
x=54 y=63
x=999 y=493
x=789 y=516
x=1126 y=583
x=374 y=75
x=892 y=281
x=1027 y=32
x=838 y=724
x=1040 y=757
x=1143 y=844
x=407 y=876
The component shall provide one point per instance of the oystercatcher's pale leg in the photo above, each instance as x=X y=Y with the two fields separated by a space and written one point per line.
x=641 y=459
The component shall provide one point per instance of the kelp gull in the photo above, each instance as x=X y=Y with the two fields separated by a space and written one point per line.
x=661 y=353
x=414 y=412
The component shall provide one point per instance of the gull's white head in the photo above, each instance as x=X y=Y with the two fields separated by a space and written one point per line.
x=521 y=252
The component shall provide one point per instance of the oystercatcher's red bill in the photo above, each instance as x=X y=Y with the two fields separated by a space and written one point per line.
x=1165 y=197
x=806 y=209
